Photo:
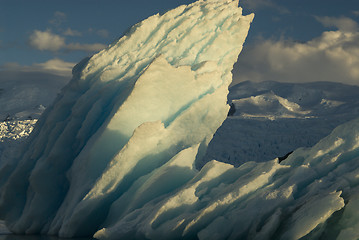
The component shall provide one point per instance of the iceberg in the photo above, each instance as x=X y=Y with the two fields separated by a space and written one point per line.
x=125 y=132
x=114 y=156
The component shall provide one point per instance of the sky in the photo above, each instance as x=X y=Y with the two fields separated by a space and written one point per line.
x=289 y=40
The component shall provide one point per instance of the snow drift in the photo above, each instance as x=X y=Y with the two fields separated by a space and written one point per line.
x=125 y=132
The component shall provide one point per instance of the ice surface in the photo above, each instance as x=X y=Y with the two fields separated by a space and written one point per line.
x=127 y=129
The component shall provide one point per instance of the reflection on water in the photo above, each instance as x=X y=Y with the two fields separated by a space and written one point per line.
x=37 y=237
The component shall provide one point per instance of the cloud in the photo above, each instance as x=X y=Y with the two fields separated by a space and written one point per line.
x=257 y=4
x=334 y=56
x=58 y=18
x=72 y=33
x=356 y=13
x=342 y=23
x=54 y=66
x=46 y=41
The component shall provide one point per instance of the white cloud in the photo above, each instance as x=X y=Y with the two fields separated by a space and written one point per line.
x=46 y=41
x=52 y=42
x=334 y=56
x=356 y=13
x=54 y=66
x=342 y=23
x=72 y=33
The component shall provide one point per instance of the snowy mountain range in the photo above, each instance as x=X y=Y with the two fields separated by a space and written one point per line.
x=272 y=119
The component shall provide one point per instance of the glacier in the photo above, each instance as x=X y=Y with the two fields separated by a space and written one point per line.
x=126 y=130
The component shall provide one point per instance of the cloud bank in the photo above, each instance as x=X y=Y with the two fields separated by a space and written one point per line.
x=333 y=56
x=49 y=41
x=46 y=41
x=344 y=24
x=54 y=67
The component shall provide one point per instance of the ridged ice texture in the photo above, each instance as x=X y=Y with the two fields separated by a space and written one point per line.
x=128 y=127
x=314 y=194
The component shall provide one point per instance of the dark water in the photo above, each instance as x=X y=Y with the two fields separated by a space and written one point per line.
x=36 y=237
x=6 y=235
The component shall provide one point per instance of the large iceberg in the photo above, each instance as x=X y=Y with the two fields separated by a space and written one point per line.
x=123 y=135
x=114 y=155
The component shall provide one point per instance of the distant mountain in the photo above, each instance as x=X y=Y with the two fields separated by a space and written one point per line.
x=272 y=119
x=27 y=98
x=22 y=101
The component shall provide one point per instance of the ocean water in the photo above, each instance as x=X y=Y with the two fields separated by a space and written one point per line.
x=36 y=237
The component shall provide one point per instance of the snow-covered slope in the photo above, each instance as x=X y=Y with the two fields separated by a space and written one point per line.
x=273 y=119
x=134 y=114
